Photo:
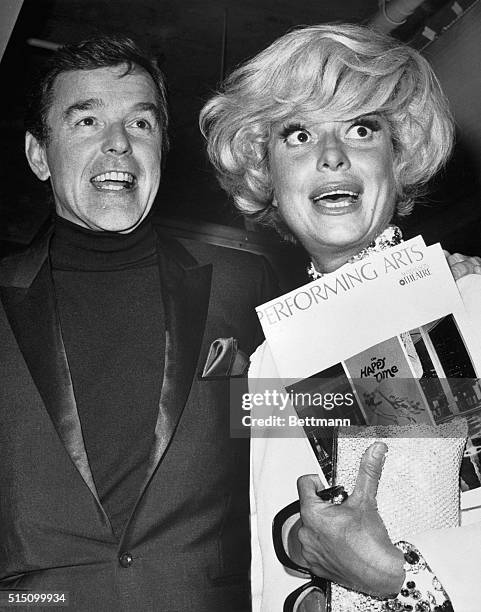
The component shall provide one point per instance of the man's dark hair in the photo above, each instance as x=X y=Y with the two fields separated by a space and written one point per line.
x=102 y=52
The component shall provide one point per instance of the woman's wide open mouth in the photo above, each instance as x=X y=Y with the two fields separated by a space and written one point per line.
x=337 y=196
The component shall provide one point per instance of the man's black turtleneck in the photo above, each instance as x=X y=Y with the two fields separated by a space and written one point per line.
x=108 y=294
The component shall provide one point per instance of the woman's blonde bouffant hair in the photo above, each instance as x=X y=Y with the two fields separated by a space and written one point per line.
x=343 y=71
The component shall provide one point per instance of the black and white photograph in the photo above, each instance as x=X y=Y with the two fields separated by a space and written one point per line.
x=205 y=192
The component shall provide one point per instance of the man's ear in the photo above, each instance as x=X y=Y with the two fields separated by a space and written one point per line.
x=37 y=157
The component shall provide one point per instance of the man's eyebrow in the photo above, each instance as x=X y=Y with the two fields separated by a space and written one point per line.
x=82 y=105
x=147 y=107
x=96 y=103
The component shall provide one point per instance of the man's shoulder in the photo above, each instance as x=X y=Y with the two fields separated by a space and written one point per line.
x=222 y=257
x=20 y=267
x=234 y=272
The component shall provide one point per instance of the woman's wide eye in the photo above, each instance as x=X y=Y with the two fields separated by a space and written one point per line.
x=298 y=137
x=360 y=131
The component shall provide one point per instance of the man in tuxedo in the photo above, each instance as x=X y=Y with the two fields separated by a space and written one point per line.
x=120 y=488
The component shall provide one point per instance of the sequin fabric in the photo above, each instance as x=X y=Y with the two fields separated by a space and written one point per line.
x=421 y=591
x=390 y=237
x=418 y=490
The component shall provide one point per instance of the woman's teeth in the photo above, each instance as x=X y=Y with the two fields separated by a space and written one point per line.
x=337 y=198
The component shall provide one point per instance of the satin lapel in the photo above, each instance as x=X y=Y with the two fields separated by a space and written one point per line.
x=186 y=294
x=34 y=321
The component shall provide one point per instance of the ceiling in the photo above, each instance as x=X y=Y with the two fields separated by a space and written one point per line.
x=197 y=43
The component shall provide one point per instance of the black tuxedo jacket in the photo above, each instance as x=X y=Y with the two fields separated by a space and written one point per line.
x=186 y=544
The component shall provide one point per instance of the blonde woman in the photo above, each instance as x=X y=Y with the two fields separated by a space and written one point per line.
x=327 y=135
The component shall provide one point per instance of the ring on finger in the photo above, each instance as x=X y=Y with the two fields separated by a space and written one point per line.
x=333 y=495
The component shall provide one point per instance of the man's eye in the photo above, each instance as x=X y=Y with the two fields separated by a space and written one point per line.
x=297 y=137
x=142 y=124
x=86 y=121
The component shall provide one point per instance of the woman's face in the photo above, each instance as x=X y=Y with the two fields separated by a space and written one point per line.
x=333 y=182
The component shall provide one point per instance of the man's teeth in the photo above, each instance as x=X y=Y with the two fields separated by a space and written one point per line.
x=111 y=187
x=124 y=177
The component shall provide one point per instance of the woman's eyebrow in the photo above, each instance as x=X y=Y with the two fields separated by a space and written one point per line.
x=374 y=114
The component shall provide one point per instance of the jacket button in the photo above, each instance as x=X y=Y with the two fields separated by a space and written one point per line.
x=125 y=559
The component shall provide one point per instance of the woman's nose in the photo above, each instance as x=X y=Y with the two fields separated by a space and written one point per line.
x=332 y=155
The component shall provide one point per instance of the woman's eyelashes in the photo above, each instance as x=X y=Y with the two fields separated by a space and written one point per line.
x=296 y=134
x=363 y=128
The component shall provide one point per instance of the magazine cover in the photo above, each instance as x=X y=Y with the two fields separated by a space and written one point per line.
x=418 y=366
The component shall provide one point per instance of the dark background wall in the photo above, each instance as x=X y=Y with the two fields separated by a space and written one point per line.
x=197 y=43
x=452 y=213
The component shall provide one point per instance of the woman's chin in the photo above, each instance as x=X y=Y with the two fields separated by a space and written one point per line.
x=341 y=242
x=330 y=250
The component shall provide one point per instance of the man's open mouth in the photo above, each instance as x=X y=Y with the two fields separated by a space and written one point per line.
x=113 y=181
x=336 y=198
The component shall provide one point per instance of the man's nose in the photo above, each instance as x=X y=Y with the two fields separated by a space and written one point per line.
x=116 y=140
x=332 y=154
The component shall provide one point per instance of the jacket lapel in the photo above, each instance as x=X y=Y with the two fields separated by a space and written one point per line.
x=185 y=290
x=29 y=302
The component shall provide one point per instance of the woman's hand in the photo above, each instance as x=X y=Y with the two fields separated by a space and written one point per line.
x=348 y=543
x=462 y=265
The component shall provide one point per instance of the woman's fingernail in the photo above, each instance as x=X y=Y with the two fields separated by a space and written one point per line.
x=379 y=449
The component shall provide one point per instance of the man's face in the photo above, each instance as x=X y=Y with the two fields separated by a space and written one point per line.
x=104 y=149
